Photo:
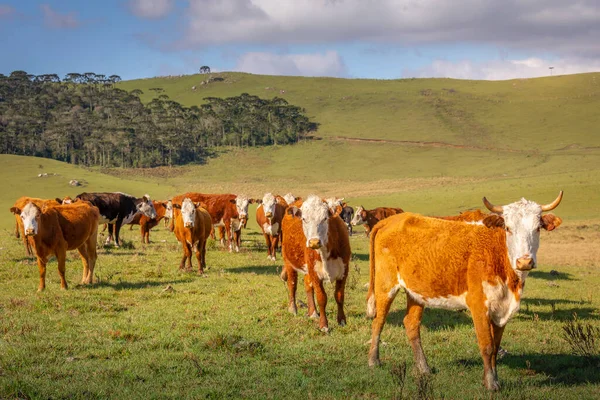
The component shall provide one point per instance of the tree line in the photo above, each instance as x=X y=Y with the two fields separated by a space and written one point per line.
x=84 y=119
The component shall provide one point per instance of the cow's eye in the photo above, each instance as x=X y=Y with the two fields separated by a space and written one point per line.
x=507 y=229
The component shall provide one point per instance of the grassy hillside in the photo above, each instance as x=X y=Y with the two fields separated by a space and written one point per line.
x=525 y=114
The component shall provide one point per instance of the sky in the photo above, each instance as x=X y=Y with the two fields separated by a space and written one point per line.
x=378 y=39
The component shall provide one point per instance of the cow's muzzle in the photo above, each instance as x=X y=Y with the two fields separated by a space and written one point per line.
x=314 y=244
x=29 y=232
x=188 y=225
x=525 y=263
x=269 y=215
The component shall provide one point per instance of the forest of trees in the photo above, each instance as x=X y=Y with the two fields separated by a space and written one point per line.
x=85 y=119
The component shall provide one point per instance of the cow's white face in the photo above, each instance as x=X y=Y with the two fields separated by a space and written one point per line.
x=357 y=219
x=522 y=222
x=188 y=213
x=169 y=210
x=241 y=204
x=289 y=198
x=268 y=204
x=333 y=203
x=146 y=207
x=30 y=216
x=315 y=222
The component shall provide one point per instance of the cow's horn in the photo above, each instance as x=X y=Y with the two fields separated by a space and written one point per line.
x=491 y=207
x=554 y=204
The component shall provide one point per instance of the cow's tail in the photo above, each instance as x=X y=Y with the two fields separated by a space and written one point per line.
x=371 y=306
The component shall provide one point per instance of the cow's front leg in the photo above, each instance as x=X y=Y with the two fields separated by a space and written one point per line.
x=485 y=340
x=339 y=298
x=412 y=325
x=117 y=230
x=317 y=285
x=310 y=297
x=42 y=268
x=292 y=283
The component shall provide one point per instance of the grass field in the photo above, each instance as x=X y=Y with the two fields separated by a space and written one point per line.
x=146 y=330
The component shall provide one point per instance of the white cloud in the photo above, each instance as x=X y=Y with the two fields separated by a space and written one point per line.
x=151 y=9
x=57 y=20
x=316 y=64
x=504 y=69
x=545 y=25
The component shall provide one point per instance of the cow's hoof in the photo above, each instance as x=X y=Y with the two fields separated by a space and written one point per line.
x=325 y=329
x=374 y=362
x=342 y=322
x=314 y=315
x=293 y=310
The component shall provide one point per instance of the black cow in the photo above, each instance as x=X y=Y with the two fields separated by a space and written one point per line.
x=346 y=215
x=118 y=209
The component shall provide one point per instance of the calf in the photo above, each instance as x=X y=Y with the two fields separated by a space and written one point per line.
x=268 y=216
x=19 y=204
x=346 y=216
x=146 y=223
x=449 y=264
x=371 y=217
x=192 y=228
x=316 y=243
x=118 y=209
x=54 y=229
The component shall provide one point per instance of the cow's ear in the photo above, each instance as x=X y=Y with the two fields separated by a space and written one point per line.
x=363 y=214
x=344 y=204
x=232 y=201
x=177 y=206
x=198 y=204
x=164 y=205
x=258 y=201
x=493 y=221
x=59 y=201
x=294 y=212
x=251 y=201
x=551 y=222
x=15 y=210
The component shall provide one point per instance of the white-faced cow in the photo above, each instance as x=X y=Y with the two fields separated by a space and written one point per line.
x=315 y=242
x=117 y=209
x=54 y=229
x=455 y=265
x=290 y=198
x=269 y=215
x=20 y=203
x=192 y=228
x=371 y=217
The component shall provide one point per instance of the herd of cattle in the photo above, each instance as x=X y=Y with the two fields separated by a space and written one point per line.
x=476 y=261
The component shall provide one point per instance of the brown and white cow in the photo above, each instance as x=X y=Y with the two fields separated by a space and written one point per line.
x=290 y=198
x=371 y=217
x=227 y=210
x=316 y=243
x=54 y=229
x=147 y=223
x=19 y=204
x=269 y=215
x=192 y=225
x=453 y=265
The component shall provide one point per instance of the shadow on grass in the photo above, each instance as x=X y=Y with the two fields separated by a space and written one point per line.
x=272 y=269
x=132 y=285
x=433 y=318
x=560 y=314
x=551 y=276
x=360 y=257
x=565 y=369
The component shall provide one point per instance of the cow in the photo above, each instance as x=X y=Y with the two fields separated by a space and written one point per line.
x=316 y=243
x=268 y=216
x=371 y=217
x=192 y=225
x=54 y=229
x=448 y=264
x=470 y=216
x=118 y=209
x=346 y=216
x=290 y=198
x=168 y=213
x=227 y=210
x=146 y=223
x=18 y=205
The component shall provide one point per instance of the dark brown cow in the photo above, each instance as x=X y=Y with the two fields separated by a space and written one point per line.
x=227 y=210
x=269 y=215
x=192 y=228
x=55 y=229
x=147 y=223
x=454 y=265
x=371 y=217
x=20 y=203
x=316 y=243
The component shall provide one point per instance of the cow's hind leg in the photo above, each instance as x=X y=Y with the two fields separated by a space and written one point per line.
x=92 y=256
x=383 y=303
x=61 y=258
x=85 y=260
x=412 y=324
